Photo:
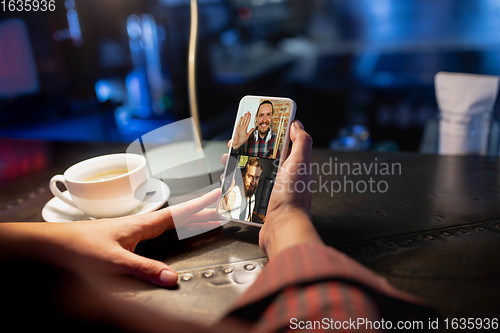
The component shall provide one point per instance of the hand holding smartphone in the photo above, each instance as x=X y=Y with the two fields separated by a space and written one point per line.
x=259 y=146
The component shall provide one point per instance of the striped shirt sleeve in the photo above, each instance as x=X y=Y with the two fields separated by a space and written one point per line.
x=319 y=285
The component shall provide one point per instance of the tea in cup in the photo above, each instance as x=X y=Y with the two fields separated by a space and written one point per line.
x=103 y=186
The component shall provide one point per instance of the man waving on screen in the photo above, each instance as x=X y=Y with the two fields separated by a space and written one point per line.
x=260 y=140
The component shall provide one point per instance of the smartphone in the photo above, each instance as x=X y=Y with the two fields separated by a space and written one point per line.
x=259 y=145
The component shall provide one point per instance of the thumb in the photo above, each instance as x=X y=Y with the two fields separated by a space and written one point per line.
x=154 y=271
x=302 y=143
x=250 y=132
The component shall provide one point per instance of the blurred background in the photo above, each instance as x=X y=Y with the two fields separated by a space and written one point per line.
x=112 y=70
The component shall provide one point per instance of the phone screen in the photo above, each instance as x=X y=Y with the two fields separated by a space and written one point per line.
x=259 y=142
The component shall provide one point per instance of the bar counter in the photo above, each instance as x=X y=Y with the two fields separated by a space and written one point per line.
x=430 y=224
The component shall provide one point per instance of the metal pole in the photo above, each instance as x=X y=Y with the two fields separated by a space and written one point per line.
x=193 y=103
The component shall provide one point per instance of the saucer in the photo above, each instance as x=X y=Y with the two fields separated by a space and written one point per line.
x=56 y=210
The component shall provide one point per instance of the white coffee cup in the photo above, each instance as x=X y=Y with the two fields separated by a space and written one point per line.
x=103 y=186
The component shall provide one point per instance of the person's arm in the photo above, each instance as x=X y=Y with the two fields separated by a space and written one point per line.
x=105 y=246
x=288 y=212
x=305 y=280
x=312 y=282
x=288 y=220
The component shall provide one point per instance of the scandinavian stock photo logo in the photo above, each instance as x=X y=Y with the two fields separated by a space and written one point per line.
x=336 y=176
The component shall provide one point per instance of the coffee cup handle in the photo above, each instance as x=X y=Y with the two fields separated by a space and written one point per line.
x=56 y=192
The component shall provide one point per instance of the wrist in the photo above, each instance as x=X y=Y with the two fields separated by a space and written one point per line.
x=285 y=230
x=23 y=239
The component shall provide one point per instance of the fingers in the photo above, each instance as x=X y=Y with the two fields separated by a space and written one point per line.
x=147 y=269
x=244 y=120
x=241 y=121
x=198 y=228
x=206 y=215
x=302 y=142
x=240 y=134
x=155 y=223
x=191 y=213
x=248 y=116
x=184 y=210
x=199 y=223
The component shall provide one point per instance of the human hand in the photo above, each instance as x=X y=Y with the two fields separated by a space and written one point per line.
x=287 y=221
x=104 y=247
x=240 y=134
x=111 y=242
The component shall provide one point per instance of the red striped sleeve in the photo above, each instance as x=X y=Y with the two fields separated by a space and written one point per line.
x=313 y=282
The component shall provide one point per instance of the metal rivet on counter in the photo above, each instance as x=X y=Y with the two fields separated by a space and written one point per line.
x=445 y=234
x=227 y=270
x=429 y=237
x=186 y=277
x=463 y=230
x=208 y=274
x=249 y=267
x=368 y=248
x=479 y=228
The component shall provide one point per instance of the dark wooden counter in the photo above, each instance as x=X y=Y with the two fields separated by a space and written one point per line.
x=434 y=231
